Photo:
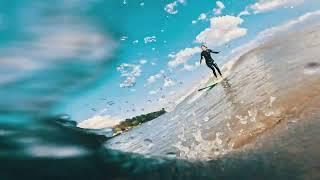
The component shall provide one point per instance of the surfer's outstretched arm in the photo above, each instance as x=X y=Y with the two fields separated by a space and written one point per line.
x=215 y=52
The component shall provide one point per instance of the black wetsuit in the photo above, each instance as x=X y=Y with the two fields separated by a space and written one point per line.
x=209 y=61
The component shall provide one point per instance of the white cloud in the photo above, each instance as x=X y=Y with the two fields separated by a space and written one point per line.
x=220 y=7
x=152 y=92
x=268 y=5
x=216 y=11
x=188 y=67
x=130 y=72
x=182 y=56
x=142 y=4
x=170 y=8
x=244 y=13
x=150 y=39
x=222 y=30
x=98 y=122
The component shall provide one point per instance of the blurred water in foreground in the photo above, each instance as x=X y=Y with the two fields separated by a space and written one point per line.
x=262 y=122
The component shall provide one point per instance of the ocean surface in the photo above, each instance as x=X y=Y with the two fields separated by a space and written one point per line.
x=266 y=109
x=261 y=122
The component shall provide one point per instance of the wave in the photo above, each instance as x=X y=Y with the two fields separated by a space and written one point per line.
x=261 y=123
x=266 y=92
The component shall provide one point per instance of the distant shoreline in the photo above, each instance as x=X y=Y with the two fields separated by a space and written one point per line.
x=130 y=123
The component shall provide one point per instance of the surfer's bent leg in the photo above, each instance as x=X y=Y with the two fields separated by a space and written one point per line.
x=210 y=65
x=216 y=66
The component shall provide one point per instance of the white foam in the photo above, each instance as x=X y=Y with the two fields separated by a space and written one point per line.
x=201 y=148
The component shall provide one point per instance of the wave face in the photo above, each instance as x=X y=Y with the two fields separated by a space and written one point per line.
x=268 y=107
x=262 y=122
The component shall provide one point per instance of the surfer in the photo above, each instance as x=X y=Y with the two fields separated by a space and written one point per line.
x=209 y=61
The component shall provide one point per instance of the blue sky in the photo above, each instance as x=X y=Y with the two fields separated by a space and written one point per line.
x=150 y=66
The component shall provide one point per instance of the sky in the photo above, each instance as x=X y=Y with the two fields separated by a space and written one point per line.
x=153 y=51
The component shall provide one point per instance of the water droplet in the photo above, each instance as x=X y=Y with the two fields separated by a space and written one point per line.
x=148 y=143
x=148 y=140
x=272 y=99
x=312 y=68
x=242 y=120
x=65 y=116
x=171 y=155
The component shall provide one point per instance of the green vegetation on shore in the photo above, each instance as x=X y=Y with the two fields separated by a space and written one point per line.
x=135 y=121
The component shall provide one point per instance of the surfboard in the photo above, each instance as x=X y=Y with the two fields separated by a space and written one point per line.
x=212 y=85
